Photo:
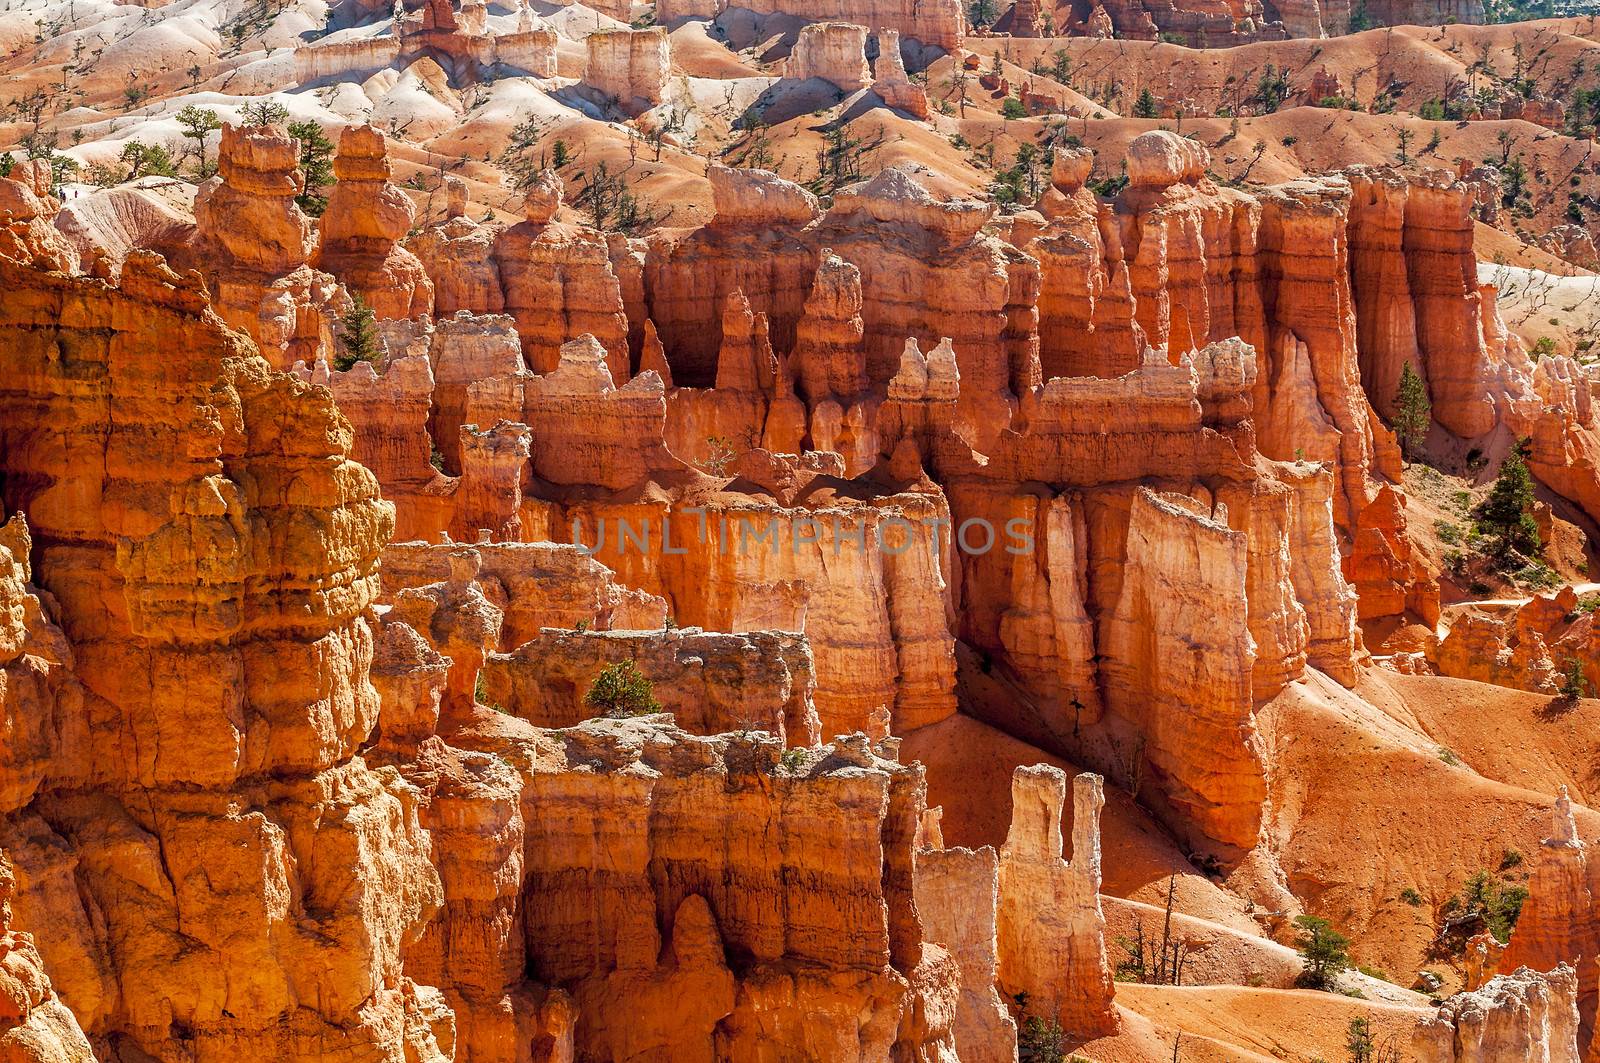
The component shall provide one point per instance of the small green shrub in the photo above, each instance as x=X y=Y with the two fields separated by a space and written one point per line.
x=621 y=691
x=1574 y=684
x=1411 y=897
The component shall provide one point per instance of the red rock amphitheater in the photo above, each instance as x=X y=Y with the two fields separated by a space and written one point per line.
x=810 y=532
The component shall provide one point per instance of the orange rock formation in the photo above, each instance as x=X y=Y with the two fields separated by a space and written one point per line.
x=366 y=216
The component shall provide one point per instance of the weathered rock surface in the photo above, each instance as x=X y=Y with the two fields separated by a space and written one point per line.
x=669 y=818
x=253 y=245
x=957 y=892
x=535 y=585
x=27 y=219
x=558 y=284
x=210 y=551
x=836 y=52
x=1533 y=646
x=366 y=216
x=1557 y=924
x=1182 y=560
x=1387 y=568
x=1418 y=301
x=710 y=682
x=1522 y=1015
x=630 y=66
x=1050 y=928
x=35 y=1027
x=890 y=82
x=940 y=24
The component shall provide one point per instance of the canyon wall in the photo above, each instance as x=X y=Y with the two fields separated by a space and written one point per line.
x=244 y=882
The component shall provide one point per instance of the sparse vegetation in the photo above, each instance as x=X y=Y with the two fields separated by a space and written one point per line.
x=1574 y=684
x=721 y=453
x=316 y=166
x=1151 y=961
x=1363 y=1045
x=481 y=696
x=606 y=198
x=1484 y=903
x=197 y=122
x=264 y=112
x=358 y=335
x=1507 y=512
x=621 y=691
x=147 y=160
x=1323 y=952
x=1039 y=1040
x=1413 y=411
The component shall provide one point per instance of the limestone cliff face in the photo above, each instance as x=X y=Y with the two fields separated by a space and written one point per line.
x=1566 y=437
x=1178 y=263
x=1522 y=1015
x=244 y=882
x=1412 y=265
x=35 y=1027
x=29 y=233
x=630 y=66
x=38 y=697
x=940 y=24
x=555 y=280
x=889 y=79
x=833 y=51
x=810 y=342
x=1557 y=924
x=958 y=893
x=456 y=256
x=535 y=585
x=1386 y=566
x=1528 y=647
x=876 y=618
x=558 y=284
x=1180 y=667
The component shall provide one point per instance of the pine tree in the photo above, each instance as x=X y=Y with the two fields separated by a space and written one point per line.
x=1322 y=952
x=1360 y=1043
x=1413 y=411
x=1506 y=512
x=359 y=335
x=263 y=112
x=1145 y=106
x=196 y=123
x=316 y=166
x=1574 y=684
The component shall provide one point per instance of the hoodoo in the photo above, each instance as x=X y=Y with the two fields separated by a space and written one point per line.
x=890 y=532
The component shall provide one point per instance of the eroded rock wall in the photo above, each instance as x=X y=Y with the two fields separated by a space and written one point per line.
x=211 y=550
x=710 y=682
